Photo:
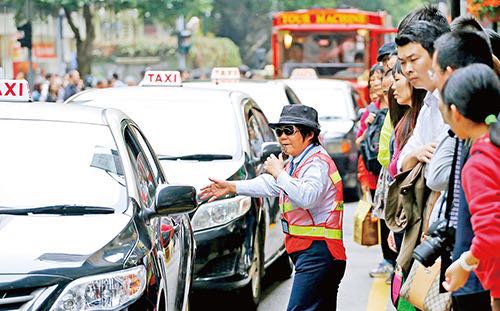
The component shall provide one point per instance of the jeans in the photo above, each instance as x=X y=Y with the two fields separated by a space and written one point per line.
x=317 y=278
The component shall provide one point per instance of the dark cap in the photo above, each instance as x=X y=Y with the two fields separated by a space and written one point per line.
x=386 y=49
x=298 y=115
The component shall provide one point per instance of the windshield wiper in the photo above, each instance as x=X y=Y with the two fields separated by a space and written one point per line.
x=58 y=210
x=197 y=157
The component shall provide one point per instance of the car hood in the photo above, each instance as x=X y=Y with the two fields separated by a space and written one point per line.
x=58 y=245
x=196 y=173
x=335 y=127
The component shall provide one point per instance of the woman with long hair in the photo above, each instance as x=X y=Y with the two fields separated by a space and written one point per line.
x=405 y=103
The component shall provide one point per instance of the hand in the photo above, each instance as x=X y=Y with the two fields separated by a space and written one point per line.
x=274 y=165
x=425 y=153
x=365 y=188
x=217 y=189
x=369 y=120
x=456 y=277
x=392 y=242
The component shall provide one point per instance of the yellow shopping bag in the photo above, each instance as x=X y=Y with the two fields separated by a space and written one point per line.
x=366 y=227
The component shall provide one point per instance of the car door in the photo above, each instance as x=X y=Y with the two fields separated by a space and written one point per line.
x=166 y=230
x=257 y=122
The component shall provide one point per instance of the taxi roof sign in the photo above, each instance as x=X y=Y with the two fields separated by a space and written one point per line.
x=161 y=78
x=304 y=73
x=225 y=74
x=14 y=90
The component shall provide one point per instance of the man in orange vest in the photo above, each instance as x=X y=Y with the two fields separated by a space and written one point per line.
x=311 y=202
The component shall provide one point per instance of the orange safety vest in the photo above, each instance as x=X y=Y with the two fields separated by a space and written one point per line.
x=301 y=226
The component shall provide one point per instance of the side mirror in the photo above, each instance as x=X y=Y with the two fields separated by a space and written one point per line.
x=269 y=148
x=175 y=199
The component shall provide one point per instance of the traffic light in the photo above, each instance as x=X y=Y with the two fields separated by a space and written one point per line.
x=26 y=39
x=184 y=41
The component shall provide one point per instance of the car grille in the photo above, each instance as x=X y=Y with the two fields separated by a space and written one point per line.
x=220 y=266
x=18 y=299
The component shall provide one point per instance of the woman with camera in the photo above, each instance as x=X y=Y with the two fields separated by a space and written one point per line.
x=310 y=191
x=471 y=99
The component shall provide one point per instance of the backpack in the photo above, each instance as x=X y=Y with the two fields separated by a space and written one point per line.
x=369 y=145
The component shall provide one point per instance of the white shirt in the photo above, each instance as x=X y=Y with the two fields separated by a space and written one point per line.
x=430 y=125
x=310 y=190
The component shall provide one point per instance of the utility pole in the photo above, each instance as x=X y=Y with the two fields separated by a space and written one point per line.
x=60 y=42
x=181 y=57
x=31 y=76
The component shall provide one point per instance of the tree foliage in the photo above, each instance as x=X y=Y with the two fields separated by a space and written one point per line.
x=163 y=10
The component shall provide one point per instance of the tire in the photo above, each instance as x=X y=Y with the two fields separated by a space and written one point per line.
x=283 y=267
x=252 y=292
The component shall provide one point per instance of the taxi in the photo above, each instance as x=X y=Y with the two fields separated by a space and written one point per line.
x=335 y=101
x=202 y=133
x=87 y=221
x=271 y=96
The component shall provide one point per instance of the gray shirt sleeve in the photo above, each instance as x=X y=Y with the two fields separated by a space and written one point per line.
x=439 y=169
x=261 y=186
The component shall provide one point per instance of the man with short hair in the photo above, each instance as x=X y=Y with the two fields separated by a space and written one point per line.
x=415 y=49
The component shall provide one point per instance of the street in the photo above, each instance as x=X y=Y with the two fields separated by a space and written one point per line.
x=357 y=291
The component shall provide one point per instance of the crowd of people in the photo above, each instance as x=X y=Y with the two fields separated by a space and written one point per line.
x=430 y=158
x=54 y=88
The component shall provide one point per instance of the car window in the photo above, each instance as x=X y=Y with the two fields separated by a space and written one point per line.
x=255 y=136
x=267 y=132
x=46 y=163
x=184 y=126
x=145 y=176
x=292 y=98
x=149 y=154
x=327 y=101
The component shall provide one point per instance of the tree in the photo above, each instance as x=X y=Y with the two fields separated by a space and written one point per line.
x=164 y=10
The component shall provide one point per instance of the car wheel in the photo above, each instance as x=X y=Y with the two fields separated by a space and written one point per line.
x=251 y=293
x=283 y=267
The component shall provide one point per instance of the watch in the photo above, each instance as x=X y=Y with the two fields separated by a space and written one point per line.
x=464 y=264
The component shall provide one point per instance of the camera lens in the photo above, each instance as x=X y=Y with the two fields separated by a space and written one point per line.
x=428 y=251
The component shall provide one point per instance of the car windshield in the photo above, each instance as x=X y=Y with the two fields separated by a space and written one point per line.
x=185 y=127
x=47 y=163
x=330 y=103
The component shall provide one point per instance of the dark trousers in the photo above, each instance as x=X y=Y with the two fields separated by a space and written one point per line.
x=317 y=278
x=387 y=253
x=472 y=302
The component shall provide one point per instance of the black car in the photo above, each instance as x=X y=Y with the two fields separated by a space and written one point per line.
x=87 y=221
x=202 y=133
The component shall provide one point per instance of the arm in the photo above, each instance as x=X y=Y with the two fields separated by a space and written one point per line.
x=384 y=156
x=439 y=170
x=306 y=190
x=481 y=187
x=261 y=186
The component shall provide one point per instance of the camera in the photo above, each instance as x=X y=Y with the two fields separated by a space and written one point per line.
x=440 y=241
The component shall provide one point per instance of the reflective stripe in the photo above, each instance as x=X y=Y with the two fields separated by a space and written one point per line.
x=340 y=207
x=286 y=207
x=336 y=177
x=315 y=232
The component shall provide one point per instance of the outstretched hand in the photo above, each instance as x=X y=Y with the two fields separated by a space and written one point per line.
x=217 y=189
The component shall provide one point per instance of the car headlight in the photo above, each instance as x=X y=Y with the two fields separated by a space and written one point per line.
x=106 y=291
x=338 y=145
x=220 y=212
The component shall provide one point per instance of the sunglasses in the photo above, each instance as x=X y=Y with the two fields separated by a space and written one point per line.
x=288 y=130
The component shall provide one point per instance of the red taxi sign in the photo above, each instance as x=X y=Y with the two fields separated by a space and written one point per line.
x=14 y=90
x=304 y=73
x=225 y=74
x=161 y=78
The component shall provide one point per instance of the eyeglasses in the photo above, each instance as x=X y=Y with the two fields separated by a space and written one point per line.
x=288 y=130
